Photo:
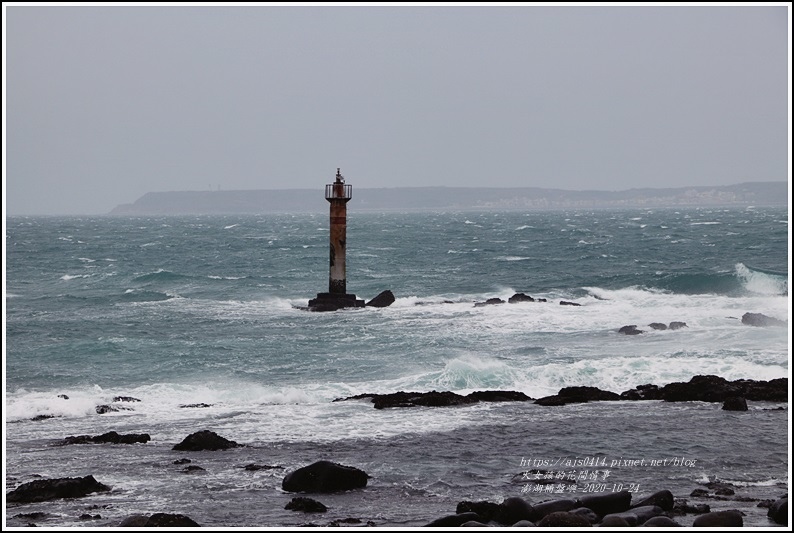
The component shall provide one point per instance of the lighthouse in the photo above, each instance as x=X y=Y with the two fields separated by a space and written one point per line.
x=338 y=194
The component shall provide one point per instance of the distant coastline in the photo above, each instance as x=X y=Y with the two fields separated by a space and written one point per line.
x=774 y=193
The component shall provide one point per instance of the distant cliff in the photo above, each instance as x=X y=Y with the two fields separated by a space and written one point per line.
x=451 y=198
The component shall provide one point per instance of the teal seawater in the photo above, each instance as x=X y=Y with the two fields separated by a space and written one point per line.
x=184 y=310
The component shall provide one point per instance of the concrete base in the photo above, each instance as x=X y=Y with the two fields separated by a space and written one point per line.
x=327 y=301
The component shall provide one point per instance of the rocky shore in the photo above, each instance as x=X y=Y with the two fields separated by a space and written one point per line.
x=546 y=504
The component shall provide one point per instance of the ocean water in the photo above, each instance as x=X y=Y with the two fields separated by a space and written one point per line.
x=177 y=311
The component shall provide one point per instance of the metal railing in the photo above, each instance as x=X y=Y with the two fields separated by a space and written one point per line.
x=341 y=191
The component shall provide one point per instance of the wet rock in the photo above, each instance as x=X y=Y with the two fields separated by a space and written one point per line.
x=125 y=399
x=182 y=461
x=486 y=510
x=520 y=297
x=306 y=505
x=193 y=469
x=761 y=320
x=578 y=395
x=170 y=520
x=540 y=510
x=455 y=520
x=498 y=396
x=731 y=518
x=663 y=498
x=778 y=512
x=87 y=516
x=324 y=476
x=195 y=405
x=614 y=520
x=630 y=330
x=563 y=519
x=642 y=392
x=39 y=418
x=734 y=403
x=50 y=489
x=637 y=515
x=136 y=520
x=111 y=437
x=254 y=467
x=489 y=301
x=661 y=521
x=524 y=523
x=574 y=304
x=682 y=507
x=473 y=523
x=436 y=399
x=515 y=509
x=658 y=326
x=677 y=325
x=205 y=440
x=586 y=513
x=102 y=409
x=384 y=299
x=700 y=388
x=609 y=503
x=65 y=397
x=699 y=493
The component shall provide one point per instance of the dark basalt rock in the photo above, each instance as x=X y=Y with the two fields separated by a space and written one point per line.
x=761 y=320
x=618 y=520
x=578 y=395
x=65 y=397
x=574 y=304
x=661 y=521
x=515 y=509
x=193 y=469
x=254 y=467
x=489 y=301
x=663 y=499
x=716 y=389
x=305 y=505
x=455 y=520
x=486 y=510
x=205 y=440
x=437 y=399
x=630 y=330
x=520 y=297
x=170 y=520
x=384 y=299
x=39 y=418
x=731 y=518
x=734 y=404
x=498 y=396
x=609 y=503
x=195 y=405
x=642 y=392
x=50 y=489
x=563 y=519
x=541 y=510
x=638 y=515
x=324 y=476
x=182 y=461
x=586 y=513
x=658 y=326
x=677 y=325
x=778 y=512
x=111 y=437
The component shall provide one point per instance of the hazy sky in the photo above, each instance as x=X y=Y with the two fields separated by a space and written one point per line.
x=104 y=104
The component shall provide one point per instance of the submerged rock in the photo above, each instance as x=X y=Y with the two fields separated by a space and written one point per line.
x=159 y=520
x=520 y=297
x=111 y=437
x=436 y=399
x=578 y=395
x=489 y=301
x=735 y=403
x=630 y=330
x=730 y=518
x=306 y=505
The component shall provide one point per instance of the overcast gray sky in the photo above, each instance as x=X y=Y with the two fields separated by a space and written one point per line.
x=105 y=104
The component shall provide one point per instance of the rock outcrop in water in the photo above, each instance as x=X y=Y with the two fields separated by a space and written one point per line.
x=437 y=399
x=384 y=299
x=41 y=490
x=578 y=395
x=159 y=520
x=761 y=320
x=205 y=440
x=323 y=477
x=111 y=437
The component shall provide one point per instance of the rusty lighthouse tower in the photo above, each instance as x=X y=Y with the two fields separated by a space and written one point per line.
x=338 y=194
